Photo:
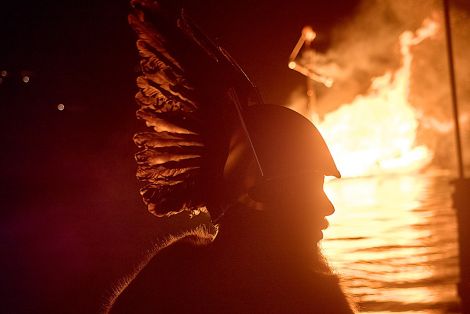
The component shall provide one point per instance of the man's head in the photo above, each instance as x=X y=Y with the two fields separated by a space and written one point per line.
x=281 y=170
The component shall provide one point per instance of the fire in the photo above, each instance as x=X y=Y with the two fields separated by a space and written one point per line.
x=376 y=132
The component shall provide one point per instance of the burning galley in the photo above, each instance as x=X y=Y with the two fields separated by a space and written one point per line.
x=375 y=133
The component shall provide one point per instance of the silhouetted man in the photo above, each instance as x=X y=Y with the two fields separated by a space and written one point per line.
x=264 y=258
x=257 y=169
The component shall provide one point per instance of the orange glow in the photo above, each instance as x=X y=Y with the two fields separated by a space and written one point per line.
x=381 y=239
x=392 y=236
x=308 y=34
x=376 y=132
x=292 y=65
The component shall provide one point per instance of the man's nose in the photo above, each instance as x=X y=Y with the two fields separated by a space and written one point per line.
x=328 y=208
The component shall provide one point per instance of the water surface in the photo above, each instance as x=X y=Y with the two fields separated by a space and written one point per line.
x=393 y=239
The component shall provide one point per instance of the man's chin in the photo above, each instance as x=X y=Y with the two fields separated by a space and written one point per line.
x=318 y=236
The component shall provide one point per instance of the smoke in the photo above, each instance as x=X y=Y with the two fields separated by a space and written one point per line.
x=367 y=46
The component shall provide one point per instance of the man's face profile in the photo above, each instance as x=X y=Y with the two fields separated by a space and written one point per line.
x=301 y=205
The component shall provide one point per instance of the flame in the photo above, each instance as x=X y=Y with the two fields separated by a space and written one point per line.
x=376 y=132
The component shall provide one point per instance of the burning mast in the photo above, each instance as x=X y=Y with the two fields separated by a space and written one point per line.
x=304 y=66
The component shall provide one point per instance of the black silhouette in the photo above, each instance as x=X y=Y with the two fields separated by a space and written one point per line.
x=257 y=169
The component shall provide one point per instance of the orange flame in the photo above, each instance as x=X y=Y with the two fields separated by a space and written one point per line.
x=376 y=132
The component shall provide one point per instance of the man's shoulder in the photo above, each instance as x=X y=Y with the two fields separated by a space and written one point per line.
x=170 y=266
x=181 y=254
x=179 y=250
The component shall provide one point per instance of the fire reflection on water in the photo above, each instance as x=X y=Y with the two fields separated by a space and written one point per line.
x=393 y=240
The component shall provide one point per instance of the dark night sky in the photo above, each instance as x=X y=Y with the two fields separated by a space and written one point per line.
x=72 y=220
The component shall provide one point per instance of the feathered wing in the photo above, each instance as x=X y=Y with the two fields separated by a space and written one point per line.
x=171 y=150
x=185 y=102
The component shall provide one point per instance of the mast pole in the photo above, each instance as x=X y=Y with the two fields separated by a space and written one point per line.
x=453 y=89
x=461 y=196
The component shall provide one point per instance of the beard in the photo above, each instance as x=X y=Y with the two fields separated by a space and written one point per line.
x=264 y=235
x=320 y=263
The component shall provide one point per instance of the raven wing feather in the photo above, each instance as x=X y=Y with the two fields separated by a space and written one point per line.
x=183 y=101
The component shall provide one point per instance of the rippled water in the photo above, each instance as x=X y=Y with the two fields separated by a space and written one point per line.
x=393 y=239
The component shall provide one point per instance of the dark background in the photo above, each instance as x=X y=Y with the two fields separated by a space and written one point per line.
x=72 y=221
